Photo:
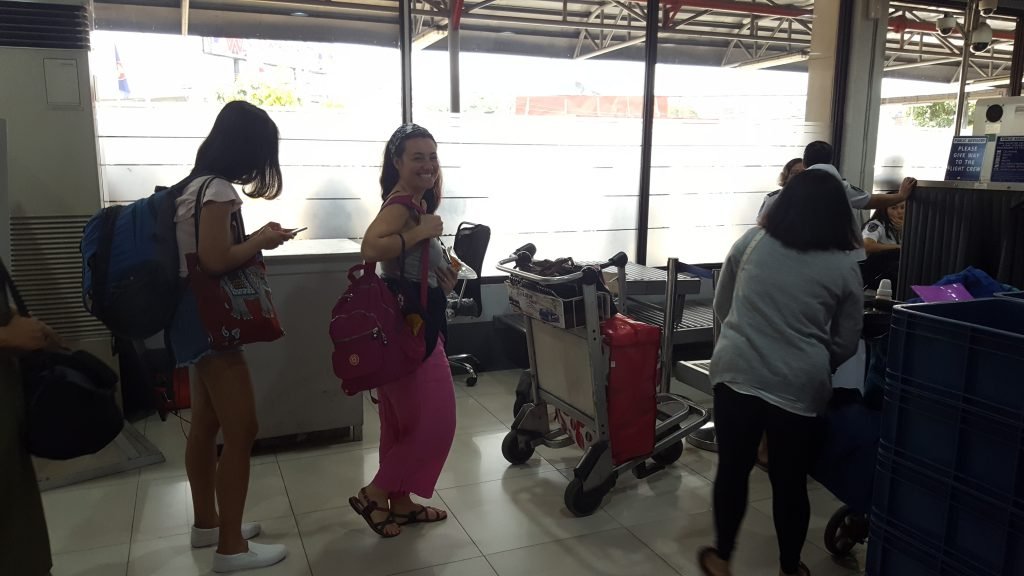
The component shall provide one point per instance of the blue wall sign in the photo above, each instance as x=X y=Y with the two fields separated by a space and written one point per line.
x=966 y=156
x=1008 y=165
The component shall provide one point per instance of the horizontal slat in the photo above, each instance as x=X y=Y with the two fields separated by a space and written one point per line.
x=47 y=267
x=40 y=25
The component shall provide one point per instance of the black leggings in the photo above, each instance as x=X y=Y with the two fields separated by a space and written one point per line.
x=740 y=420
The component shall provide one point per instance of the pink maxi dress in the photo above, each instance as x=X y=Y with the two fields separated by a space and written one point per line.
x=417 y=426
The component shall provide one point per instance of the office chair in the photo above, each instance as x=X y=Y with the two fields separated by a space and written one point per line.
x=471 y=241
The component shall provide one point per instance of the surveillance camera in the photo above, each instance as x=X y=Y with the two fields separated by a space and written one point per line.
x=981 y=38
x=987 y=7
x=946 y=25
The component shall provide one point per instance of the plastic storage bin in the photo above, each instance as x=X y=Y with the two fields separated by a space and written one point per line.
x=948 y=493
x=980 y=535
x=974 y=448
x=962 y=351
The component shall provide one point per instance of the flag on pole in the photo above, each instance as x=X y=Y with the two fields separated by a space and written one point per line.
x=122 y=78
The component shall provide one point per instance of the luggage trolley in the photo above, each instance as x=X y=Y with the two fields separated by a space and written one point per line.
x=569 y=369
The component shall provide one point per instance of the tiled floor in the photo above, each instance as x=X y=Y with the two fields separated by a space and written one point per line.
x=506 y=520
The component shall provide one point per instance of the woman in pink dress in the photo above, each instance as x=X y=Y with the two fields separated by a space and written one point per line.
x=417 y=412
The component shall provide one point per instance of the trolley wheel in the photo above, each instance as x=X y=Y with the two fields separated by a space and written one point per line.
x=516 y=448
x=845 y=530
x=582 y=503
x=471 y=381
x=670 y=455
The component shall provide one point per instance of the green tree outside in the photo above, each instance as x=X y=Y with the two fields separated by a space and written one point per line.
x=939 y=115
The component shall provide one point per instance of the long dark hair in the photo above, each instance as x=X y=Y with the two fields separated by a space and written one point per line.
x=881 y=216
x=784 y=176
x=243 y=147
x=389 y=172
x=812 y=213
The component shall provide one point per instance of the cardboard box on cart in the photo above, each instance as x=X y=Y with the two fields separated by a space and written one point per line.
x=549 y=309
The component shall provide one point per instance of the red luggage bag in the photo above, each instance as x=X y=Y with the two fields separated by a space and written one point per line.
x=632 y=386
x=632 y=392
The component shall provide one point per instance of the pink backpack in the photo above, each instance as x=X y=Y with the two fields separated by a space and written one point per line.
x=373 y=344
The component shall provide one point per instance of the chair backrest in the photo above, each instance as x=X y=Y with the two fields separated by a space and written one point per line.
x=471 y=241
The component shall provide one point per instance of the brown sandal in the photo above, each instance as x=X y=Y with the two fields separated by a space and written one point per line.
x=366 y=507
x=420 y=516
x=702 y=559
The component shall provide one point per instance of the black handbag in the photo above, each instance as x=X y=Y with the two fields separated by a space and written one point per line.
x=69 y=397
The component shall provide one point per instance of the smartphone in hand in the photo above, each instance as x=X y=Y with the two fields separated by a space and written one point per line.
x=295 y=231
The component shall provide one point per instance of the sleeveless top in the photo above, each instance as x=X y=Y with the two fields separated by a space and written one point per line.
x=437 y=301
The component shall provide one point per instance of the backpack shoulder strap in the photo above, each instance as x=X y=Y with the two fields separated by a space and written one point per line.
x=200 y=195
x=104 y=248
x=408 y=202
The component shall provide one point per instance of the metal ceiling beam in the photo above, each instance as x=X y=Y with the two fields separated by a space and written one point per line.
x=735 y=7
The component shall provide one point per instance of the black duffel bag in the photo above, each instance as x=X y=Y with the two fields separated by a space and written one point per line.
x=70 y=397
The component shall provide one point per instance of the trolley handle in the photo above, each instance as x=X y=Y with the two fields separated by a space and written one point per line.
x=619 y=260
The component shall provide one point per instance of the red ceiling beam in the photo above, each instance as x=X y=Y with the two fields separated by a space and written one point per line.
x=456 y=16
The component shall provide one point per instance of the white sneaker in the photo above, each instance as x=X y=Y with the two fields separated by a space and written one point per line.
x=206 y=537
x=258 y=556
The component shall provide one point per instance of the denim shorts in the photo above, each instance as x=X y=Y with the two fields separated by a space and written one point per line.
x=187 y=336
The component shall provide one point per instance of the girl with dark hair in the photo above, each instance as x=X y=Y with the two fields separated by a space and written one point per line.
x=417 y=413
x=791 y=305
x=242 y=149
x=884 y=232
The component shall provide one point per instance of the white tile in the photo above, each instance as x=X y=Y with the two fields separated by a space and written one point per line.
x=611 y=553
x=327 y=481
x=474 y=567
x=170 y=438
x=473 y=418
x=109 y=561
x=663 y=495
x=163 y=509
x=478 y=458
x=267 y=498
x=340 y=538
x=164 y=505
x=499 y=405
x=678 y=539
x=516 y=512
x=706 y=464
x=174 y=556
x=86 y=518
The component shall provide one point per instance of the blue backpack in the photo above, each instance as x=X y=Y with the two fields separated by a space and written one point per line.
x=130 y=264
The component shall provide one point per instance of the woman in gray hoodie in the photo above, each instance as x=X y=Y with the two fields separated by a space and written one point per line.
x=791 y=303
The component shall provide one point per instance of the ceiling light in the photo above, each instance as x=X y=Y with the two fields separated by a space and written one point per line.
x=773 y=61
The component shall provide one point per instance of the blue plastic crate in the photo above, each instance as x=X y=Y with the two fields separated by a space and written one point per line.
x=1011 y=295
x=891 y=552
x=952 y=440
x=971 y=352
x=978 y=535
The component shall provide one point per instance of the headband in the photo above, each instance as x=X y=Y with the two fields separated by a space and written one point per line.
x=403 y=133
